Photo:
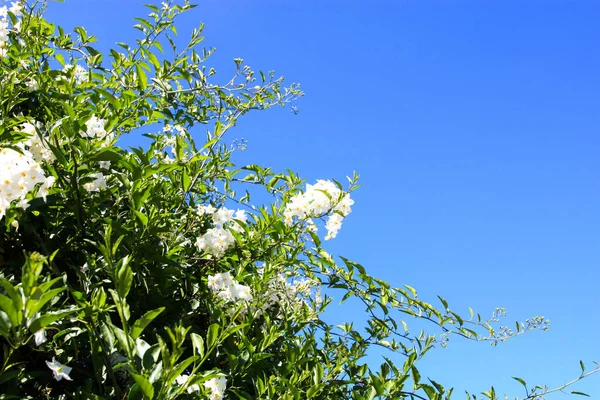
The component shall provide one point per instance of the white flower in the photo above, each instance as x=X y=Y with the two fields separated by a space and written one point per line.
x=218 y=239
x=222 y=216
x=97 y=184
x=95 y=129
x=59 y=370
x=20 y=174
x=40 y=337
x=3 y=32
x=229 y=290
x=209 y=209
x=182 y=379
x=322 y=198
x=217 y=387
x=32 y=85
x=281 y=294
x=242 y=292
x=80 y=74
x=219 y=281
x=333 y=225
x=16 y=8
x=38 y=147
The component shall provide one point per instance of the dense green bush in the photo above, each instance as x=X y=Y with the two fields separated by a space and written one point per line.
x=143 y=273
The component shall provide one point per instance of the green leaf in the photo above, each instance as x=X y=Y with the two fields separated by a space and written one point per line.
x=126 y=344
x=145 y=385
x=412 y=290
x=141 y=347
x=47 y=285
x=139 y=325
x=124 y=278
x=429 y=390
x=439 y=387
x=111 y=99
x=156 y=373
x=8 y=307
x=151 y=356
x=580 y=394
x=186 y=180
x=416 y=374
x=142 y=79
x=9 y=375
x=142 y=217
x=5 y=325
x=16 y=298
x=315 y=239
x=444 y=302
x=521 y=381
x=48 y=319
x=198 y=343
x=212 y=336
x=179 y=368
x=108 y=155
x=36 y=305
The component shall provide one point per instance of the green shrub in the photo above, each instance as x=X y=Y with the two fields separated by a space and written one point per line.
x=143 y=273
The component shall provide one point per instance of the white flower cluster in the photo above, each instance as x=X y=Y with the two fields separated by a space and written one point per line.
x=32 y=85
x=218 y=239
x=37 y=147
x=79 y=73
x=175 y=129
x=285 y=294
x=95 y=130
x=19 y=175
x=17 y=10
x=182 y=379
x=217 y=387
x=229 y=290
x=169 y=143
x=319 y=199
x=97 y=184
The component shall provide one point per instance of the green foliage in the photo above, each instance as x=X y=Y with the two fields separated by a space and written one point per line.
x=126 y=266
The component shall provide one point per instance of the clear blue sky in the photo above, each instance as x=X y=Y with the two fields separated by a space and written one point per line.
x=475 y=128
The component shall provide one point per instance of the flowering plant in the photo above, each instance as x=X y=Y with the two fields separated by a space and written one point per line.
x=142 y=273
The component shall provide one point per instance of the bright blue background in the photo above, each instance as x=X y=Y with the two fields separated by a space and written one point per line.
x=474 y=126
